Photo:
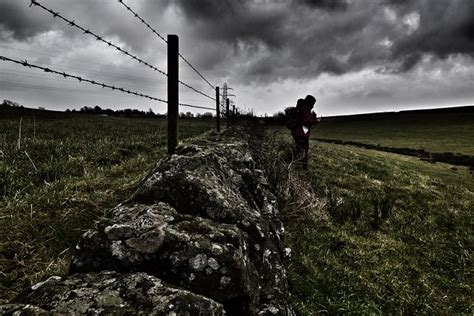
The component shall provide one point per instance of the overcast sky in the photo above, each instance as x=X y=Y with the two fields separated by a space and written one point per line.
x=354 y=56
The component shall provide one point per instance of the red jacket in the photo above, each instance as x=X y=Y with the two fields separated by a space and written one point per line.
x=305 y=118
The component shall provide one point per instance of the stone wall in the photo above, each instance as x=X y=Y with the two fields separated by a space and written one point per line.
x=200 y=236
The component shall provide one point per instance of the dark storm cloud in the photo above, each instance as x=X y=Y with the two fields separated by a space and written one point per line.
x=304 y=38
x=276 y=40
x=396 y=2
x=22 y=22
x=325 y=4
x=234 y=21
x=15 y=20
x=446 y=28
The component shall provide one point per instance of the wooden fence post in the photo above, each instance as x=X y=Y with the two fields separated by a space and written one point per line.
x=227 y=101
x=173 y=92
x=218 y=110
x=233 y=114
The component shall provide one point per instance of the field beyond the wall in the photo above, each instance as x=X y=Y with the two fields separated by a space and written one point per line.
x=58 y=173
x=385 y=233
x=448 y=130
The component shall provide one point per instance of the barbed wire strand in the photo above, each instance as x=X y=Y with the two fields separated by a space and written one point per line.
x=25 y=63
x=143 y=21
x=162 y=38
x=99 y=38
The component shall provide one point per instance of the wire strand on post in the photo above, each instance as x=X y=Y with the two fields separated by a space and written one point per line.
x=136 y=15
x=143 y=21
x=97 y=37
x=25 y=63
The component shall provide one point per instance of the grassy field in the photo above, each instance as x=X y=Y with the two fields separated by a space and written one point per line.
x=68 y=170
x=436 y=131
x=390 y=235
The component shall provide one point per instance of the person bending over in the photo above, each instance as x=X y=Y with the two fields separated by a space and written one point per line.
x=302 y=130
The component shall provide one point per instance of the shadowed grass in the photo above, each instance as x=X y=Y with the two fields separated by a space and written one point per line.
x=76 y=168
x=399 y=239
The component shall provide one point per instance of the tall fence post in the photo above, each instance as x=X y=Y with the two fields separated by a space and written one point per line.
x=227 y=102
x=218 y=110
x=233 y=114
x=173 y=92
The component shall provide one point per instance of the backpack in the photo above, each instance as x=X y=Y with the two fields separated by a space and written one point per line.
x=292 y=118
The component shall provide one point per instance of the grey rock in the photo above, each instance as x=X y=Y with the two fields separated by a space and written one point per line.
x=108 y=293
x=21 y=310
x=176 y=248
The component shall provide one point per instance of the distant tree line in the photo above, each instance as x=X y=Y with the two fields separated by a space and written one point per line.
x=97 y=110
x=277 y=118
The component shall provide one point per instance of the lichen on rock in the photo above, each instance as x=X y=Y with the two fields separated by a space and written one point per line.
x=108 y=293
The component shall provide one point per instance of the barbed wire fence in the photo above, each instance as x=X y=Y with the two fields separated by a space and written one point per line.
x=173 y=56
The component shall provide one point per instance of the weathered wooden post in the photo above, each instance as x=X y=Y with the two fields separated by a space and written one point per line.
x=218 y=110
x=233 y=114
x=227 y=102
x=173 y=92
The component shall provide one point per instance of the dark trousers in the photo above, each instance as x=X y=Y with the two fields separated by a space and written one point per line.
x=302 y=148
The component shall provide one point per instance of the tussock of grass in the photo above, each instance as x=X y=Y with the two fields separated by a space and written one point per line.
x=399 y=238
x=83 y=165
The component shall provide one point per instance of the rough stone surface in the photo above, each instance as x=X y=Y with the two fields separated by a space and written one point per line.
x=111 y=293
x=203 y=219
x=177 y=248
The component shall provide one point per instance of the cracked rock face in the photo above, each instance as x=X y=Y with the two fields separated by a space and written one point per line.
x=108 y=293
x=203 y=220
x=187 y=251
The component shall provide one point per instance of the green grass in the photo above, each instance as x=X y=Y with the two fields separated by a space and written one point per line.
x=434 y=132
x=70 y=169
x=399 y=237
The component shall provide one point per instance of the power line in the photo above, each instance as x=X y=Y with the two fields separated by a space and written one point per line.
x=43 y=77
x=99 y=38
x=104 y=73
x=52 y=55
x=40 y=87
x=80 y=79
x=195 y=90
x=197 y=71
x=196 y=106
x=112 y=75
x=22 y=85
x=93 y=82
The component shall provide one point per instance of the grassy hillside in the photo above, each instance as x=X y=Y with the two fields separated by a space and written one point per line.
x=447 y=130
x=388 y=234
x=68 y=170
